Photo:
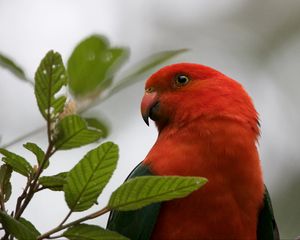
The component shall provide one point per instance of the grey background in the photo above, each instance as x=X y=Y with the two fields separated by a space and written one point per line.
x=254 y=42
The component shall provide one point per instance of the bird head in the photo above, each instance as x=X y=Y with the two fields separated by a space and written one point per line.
x=184 y=92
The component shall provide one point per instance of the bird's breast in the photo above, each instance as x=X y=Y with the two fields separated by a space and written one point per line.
x=227 y=206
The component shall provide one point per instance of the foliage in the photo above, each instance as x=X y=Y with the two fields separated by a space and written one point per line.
x=93 y=64
x=7 y=63
x=142 y=191
x=91 y=70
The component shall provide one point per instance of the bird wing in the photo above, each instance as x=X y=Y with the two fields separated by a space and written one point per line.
x=137 y=224
x=267 y=228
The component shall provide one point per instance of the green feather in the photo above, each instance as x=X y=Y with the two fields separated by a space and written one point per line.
x=138 y=224
x=267 y=227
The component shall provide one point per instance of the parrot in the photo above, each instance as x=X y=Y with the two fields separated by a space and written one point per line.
x=208 y=127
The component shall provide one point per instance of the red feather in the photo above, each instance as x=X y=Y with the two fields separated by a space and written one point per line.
x=207 y=128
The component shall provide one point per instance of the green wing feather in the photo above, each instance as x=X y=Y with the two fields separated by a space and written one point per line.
x=267 y=228
x=138 y=224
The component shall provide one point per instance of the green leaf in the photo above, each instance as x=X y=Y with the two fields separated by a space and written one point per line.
x=18 y=163
x=9 y=64
x=141 y=191
x=55 y=182
x=93 y=64
x=7 y=192
x=87 y=179
x=30 y=226
x=73 y=132
x=50 y=77
x=18 y=229
x=91 y=232
x=98 y=124
x=5 y=185
x=38 y=152
x=146 y=65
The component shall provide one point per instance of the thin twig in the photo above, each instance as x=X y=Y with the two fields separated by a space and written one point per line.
x=23 y=195
x=34 y=184
x=66 y=218
x=40 y=189
x=55 y=237
x=2 y=205
x=29 y=81
x=88 y=217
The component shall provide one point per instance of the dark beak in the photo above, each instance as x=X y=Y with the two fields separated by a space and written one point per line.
x=149 y=101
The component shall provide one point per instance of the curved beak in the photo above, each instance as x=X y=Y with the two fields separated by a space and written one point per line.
x=149 y=100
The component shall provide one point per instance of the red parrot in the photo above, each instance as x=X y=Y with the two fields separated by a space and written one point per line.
x=207 y=127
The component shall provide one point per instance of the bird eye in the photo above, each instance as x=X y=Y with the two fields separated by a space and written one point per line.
x=181 y=80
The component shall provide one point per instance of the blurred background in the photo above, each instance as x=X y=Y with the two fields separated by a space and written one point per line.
x=255 y=42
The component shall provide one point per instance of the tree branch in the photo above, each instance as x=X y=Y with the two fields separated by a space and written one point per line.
x=34 y=184
x=61 y=227
x=23 y=195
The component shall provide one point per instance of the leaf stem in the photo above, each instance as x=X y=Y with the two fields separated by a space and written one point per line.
x=29 y=81
x=40 y=189
x=55 y=237
x=66 y=218
x=61 y=227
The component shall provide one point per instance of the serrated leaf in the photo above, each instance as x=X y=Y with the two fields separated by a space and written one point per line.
x=50 y=77
x=91 y=232
x=87 y=179
x=10 y=65
x=55 y=182
x=144 y=67
x=18 y=163
x=92 y=65
x=73 y=132
x=141 y=191
x=38 y=152
x=5 y=185
x=18 y=229
x=98 y=124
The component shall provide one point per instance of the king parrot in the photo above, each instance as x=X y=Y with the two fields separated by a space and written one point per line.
x=207 y=126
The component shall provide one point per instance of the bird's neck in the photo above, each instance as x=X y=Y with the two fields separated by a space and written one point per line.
x=206 y=146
